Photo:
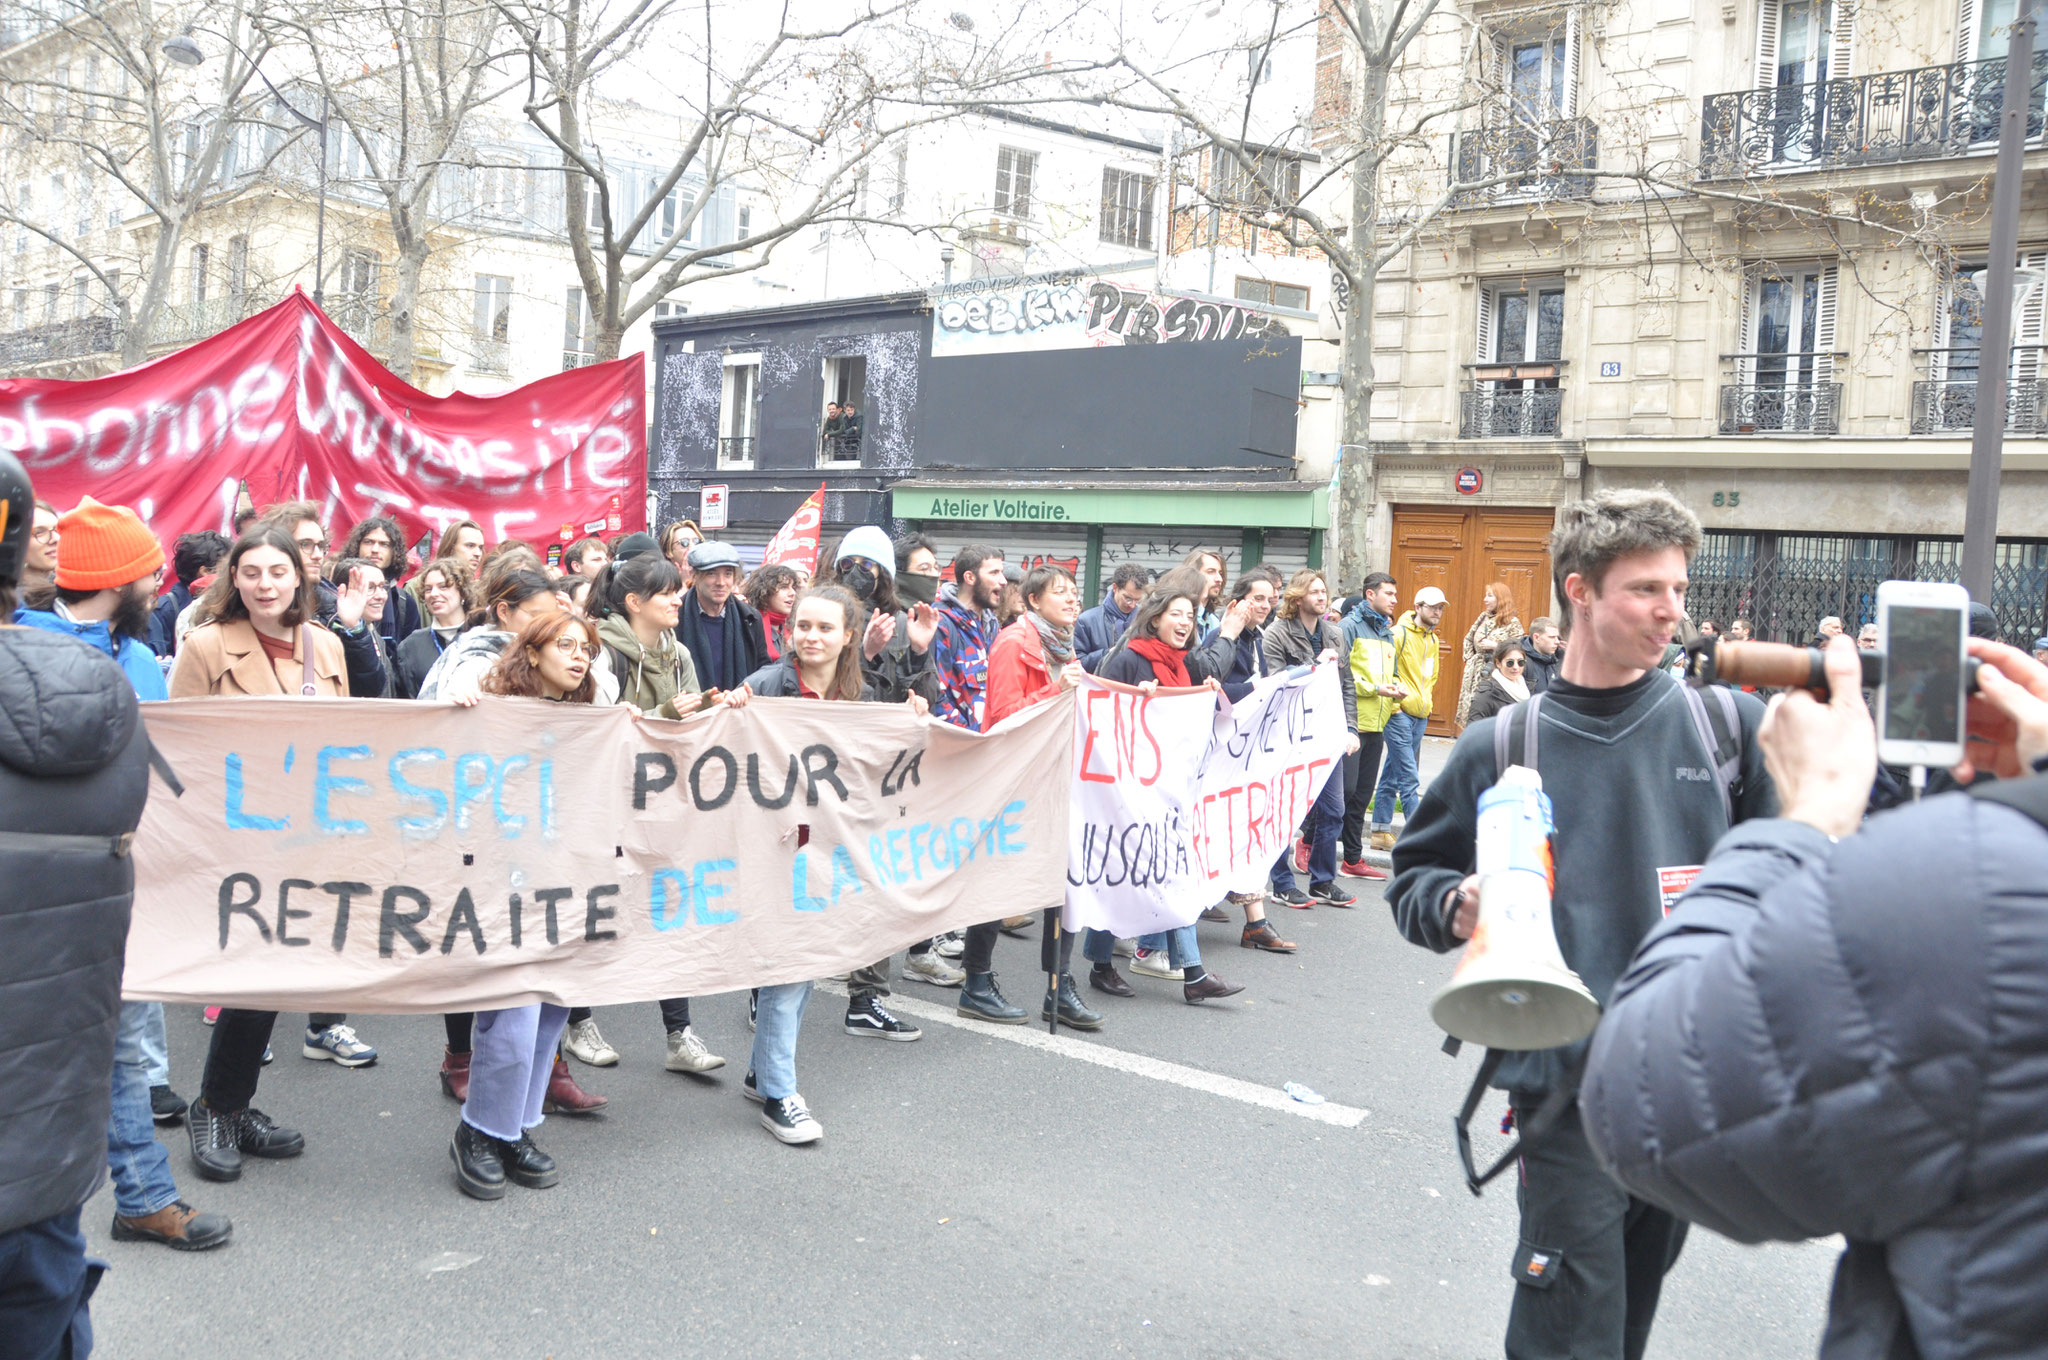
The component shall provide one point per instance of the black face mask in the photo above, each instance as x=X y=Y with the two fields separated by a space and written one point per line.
x=859 y=578
x=917 y=589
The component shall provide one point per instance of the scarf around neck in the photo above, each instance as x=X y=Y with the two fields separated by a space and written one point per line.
x=1518 y=690
x=1169 y=664
x=1059 y=642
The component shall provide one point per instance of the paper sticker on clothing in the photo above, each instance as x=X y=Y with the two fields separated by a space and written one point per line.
x=1673 y=882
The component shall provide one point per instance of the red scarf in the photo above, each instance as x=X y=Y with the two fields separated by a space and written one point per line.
x=771 y=628
x=1169 y=664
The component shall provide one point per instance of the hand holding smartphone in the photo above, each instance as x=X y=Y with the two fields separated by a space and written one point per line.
x=1922 y=627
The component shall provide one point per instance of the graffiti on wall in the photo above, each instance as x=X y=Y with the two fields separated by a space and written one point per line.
x=1081 y=312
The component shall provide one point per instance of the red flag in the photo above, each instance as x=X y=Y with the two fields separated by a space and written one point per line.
x=288 y=403
x=796 y=543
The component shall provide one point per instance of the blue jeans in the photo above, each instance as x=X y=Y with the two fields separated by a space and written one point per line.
x=1099 y=946
x=156 y=1050
x=141 y=1167
x=46 y=1283
x=1402 y=779
x=778 y=1017
x=1325 y=823
x=512 y=1055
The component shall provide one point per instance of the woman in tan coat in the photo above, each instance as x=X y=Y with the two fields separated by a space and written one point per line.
x=261 y=636
x=1495 y=627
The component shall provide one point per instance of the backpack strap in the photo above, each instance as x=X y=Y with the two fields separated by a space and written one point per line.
x=1720 y=730
x=1504 y=734
x=2028 y=797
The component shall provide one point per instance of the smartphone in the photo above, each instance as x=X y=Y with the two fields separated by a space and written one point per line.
x=1921 y=626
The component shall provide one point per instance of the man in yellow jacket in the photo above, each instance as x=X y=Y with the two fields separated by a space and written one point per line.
x=1416 y=657
x=1369 y=629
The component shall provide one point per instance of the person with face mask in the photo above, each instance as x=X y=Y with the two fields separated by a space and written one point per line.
x=896 y=642
x=917 y=569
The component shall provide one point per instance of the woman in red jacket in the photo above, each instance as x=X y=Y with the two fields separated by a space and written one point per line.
x=1032 y=661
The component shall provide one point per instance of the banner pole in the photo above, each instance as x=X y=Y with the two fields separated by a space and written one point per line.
x=1052 y=979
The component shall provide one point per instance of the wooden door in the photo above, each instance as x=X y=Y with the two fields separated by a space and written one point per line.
x=1460 y=550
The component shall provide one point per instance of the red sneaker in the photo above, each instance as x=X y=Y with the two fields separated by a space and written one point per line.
x=210 y=1015
x=1301 y=849
x=1358 y=868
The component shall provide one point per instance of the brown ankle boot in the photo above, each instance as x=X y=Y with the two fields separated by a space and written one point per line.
x=566 y=1097
x=178 y=1226
x=455 y=1074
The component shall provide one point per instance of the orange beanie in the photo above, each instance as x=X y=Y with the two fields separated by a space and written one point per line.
x=103 y=546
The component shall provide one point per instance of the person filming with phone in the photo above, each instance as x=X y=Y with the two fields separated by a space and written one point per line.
x=1842 y=1027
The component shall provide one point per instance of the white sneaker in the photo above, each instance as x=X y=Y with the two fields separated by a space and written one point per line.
x=790 y=1120
x=686 y=1053
x=1155 y=963
x=933 y=969
x=949 y=945
x=1127 y=948
x=582 y=1042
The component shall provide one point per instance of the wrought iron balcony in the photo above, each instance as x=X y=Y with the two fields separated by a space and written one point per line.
x=1950 y=407
x=1533 y=162
x=1762 y=408
x=1509 y=412
x=735 y=450
x=1928 y=112
x=840 y=448
x=58 y=340
x=184 y=323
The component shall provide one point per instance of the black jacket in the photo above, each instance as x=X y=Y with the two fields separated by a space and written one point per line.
x=778 y=680
x=74 y=764
x=414 y=658
x=163 y=618
x=1489 y=698
x=1541 y=669
x=746 y=646
x=368 y=677
x=1126 y=667
x=1853 y=1038
x=1633 y=793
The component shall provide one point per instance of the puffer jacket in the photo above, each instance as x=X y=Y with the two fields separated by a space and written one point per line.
x=74 y=763
x=1370 y=657
x=1853 y=1038
x=1541 y=669
x=1417 y=658
x=649 y=681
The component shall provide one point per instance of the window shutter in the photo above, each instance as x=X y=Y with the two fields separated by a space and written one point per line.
x=2027 y=326
x=1967 y=19
x=1824 y=329
x=1745 y=368
x=1767 y=44
x=1944 y=284
x=1841 y=39
x=1572 y=29
x=1499 y=105
x=1483 y=352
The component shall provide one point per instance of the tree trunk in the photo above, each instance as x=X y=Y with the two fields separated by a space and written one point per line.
x=1354 y=482
x=405 y=301
x=142 y=318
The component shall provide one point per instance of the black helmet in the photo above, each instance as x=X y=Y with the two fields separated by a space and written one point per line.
x=17 y=517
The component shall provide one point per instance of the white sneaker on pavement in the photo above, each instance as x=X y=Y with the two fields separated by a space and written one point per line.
x=686 y=1053
x=582 y=1042
x=933 y=969
x=1155 y=963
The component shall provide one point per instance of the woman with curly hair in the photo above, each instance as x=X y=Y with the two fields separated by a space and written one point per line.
x=380 y=541
x=1496 y=626
x=772 y=590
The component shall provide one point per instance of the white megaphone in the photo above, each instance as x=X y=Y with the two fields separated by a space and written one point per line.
x=1513 y=990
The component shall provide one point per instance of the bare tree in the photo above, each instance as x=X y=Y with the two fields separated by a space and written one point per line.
x=92 y=95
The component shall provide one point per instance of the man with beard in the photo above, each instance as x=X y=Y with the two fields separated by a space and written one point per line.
x=105 y=587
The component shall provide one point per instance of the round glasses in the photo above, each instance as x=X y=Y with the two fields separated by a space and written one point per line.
x=1511 y=665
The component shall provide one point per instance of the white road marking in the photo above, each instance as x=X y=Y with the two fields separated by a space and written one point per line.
x=1137 y=1064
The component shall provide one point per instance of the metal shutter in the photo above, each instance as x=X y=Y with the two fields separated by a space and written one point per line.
x=1158 y=548
x=1023 y=545
x=1286 y=551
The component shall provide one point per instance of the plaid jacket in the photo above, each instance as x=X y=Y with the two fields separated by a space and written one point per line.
x=960 y=656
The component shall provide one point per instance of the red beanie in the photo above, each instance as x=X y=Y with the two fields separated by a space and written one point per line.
x=103 y=546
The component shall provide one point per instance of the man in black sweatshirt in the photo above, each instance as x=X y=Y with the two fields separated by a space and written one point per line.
x=1642 y=785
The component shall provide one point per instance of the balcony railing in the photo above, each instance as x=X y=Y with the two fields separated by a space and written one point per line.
x=840 y=448
x=1760 y=408
x=1950 y=407
x=1533 y=162
x=735 y=450
x=1928 y=112
x=1509 y=413
x=72 y=339
x=184 y=323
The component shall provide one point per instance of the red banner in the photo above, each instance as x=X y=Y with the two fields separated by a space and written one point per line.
x=296 y=408
x=796 y=543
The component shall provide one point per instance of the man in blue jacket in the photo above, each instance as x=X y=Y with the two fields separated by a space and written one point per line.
x=1841 y=1030
x=105 y=587
x=1098 y=629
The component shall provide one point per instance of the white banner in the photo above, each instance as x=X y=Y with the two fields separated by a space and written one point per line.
x=1000 y=316
x=1182 y=796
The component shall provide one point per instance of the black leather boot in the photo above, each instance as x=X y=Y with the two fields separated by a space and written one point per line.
x=1074 y=1012
x=215 y=1155
x=478 y=1169
x=527 y=1164
x=981 y=999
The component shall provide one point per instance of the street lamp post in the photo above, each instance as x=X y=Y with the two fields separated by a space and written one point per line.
x=1987 y=434
x=186 y=51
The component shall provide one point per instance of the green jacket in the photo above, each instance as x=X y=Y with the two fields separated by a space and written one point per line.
x=648 y=681
x=1372 y=665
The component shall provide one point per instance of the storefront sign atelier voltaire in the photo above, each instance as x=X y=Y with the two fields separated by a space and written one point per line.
x=1009 y=508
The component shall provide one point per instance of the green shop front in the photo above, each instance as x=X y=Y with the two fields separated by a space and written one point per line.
x=1092 y=528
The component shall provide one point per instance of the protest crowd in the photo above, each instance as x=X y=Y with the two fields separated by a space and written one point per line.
x=1721 y=1087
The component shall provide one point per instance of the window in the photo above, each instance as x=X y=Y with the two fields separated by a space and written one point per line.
x=501 y=188
x=24 y=200
x=113 y=292
x=1520 y=339
x=1015 y=171
x=1259 y=64
x=50 y=293
x=1271 y=173
x=493 y=308
x=359 y=277
x=587 y=194
x=664 y=311
x=21 y=309
x=579 y=331
x=675 y=210
x=81 y=297
x=896 y=183
x=739 y=410
x=201 y=256
x=846 y=378
x=86 y=213
x=1127 y=209
x=1272 y=294
x=1789 y=320
x=238 y=269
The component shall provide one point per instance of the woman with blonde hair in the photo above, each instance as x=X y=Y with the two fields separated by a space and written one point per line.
x=1496 y=626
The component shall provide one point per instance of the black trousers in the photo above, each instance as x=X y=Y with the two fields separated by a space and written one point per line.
x=1361 y=776
x=234 y=1060
x=978 y=953
x=1591 y=1262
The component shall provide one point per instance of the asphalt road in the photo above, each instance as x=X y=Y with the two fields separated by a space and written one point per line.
x=973 y=1195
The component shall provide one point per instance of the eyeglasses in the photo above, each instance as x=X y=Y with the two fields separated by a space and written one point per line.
x=311 y=544
x=1511 y=665
x=46 y=534
x=569 y=646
